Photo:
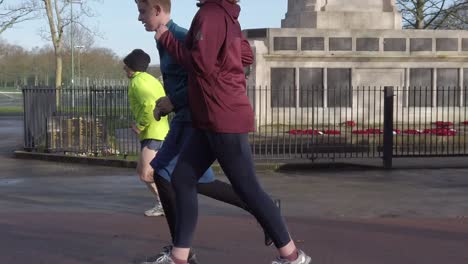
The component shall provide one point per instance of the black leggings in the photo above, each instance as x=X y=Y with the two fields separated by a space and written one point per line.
x=233 y=154
x=217 y=190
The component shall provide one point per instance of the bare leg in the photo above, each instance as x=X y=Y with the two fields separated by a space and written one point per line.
x=152 y=187
x=146 y=172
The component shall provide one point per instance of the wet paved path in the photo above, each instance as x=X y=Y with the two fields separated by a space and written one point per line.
x=71 y=213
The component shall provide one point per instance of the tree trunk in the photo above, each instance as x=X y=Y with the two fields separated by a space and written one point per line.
x=58 y=78
x=58 y=71
x=420 y=14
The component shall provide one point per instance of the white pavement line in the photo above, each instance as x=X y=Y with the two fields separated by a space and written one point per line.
x=7 y=94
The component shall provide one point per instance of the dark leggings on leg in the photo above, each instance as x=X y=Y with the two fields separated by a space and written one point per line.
x=217 y=190
x=233 y=154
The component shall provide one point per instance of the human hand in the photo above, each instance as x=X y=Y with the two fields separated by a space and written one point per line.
x=157 y=113
x=147 y=177
x=159 y=31
x=165 y=105
x=135 y=129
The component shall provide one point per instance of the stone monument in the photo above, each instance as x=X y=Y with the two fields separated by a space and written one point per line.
x=339 y=14
x=346 y=44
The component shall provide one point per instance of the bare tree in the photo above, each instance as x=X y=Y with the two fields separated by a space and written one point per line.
x=11 y=14
x=456 y=20
x=433 y=14
x=81 y=37
x=102 y=63
x=59 y=17
x=14 y=64
x=20 y=67
x=54 y=12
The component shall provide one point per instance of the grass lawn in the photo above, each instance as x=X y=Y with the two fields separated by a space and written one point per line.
x=11 y=109
x=9 y=89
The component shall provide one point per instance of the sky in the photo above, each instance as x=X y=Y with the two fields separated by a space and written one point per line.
x=117 y=21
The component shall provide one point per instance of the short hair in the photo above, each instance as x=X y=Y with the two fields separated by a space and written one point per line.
x=166 y=4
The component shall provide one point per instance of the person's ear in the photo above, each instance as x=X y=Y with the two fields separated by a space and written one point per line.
x=157 y=9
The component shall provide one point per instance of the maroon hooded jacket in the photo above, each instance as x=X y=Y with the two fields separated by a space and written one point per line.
x=214 y=54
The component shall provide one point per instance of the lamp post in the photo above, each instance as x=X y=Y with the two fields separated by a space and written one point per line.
x=71 y=41
x=79 y=47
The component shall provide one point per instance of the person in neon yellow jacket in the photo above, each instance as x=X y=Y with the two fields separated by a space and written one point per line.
x=143 y=92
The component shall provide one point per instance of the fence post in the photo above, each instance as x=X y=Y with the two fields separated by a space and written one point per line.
x=26 y=128
x=388 y=128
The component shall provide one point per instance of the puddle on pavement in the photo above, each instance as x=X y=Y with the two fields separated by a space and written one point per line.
x=7 y=182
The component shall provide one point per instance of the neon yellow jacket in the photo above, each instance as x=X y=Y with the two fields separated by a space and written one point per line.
x=143 y=92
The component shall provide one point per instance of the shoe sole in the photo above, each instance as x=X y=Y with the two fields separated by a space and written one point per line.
x=154 y=214
x=308 y=260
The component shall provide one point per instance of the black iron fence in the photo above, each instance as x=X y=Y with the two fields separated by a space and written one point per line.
x=86 y=121
x=313 y=122
x=292 y=123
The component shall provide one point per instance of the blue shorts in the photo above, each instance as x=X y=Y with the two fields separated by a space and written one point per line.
x=152 y=144
x=166 y=159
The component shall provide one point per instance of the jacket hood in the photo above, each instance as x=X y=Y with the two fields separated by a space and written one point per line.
x=233 y=10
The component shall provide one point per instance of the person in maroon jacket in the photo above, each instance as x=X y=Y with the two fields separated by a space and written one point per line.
x=214 y=54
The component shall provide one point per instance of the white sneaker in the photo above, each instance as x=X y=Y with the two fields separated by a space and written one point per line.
x=301 y=259
x=157 y=210
x=163 y=258
x=192 y=258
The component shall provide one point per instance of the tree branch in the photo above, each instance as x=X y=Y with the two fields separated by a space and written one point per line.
x=436 y=15
x=407 y=8
x=410 y=23
x=12 y=15
x=454 y=12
